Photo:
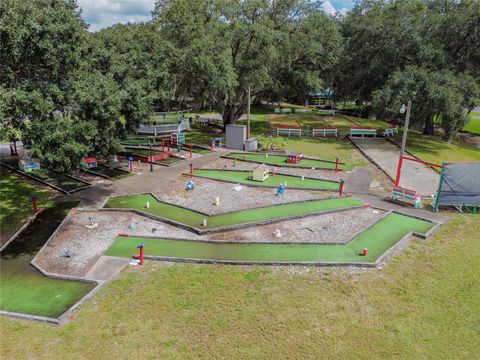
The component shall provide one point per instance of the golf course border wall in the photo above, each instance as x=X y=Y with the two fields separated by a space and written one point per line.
x=260 y=185
x=226 y=156
x=201 y=231
x=385 y=256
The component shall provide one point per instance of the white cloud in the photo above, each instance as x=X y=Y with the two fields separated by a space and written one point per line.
x=329 y=8
x=103 y=13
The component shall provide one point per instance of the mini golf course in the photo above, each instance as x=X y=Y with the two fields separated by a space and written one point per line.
x=281 y=160
x=194 y=219
x=57 y=180
x=244 y=177
x=377 y=239
x=24 y=289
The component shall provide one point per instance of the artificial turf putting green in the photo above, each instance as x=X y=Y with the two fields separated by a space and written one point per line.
x=195 y=219
x=24 y=289
x=243 y=177
x=377 y=239
x=281 y=160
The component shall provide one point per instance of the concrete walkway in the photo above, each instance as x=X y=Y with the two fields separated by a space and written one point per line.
x=415 y=176
x=106 y=268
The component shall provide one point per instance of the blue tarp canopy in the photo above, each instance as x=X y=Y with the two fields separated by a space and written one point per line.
x=460 y=184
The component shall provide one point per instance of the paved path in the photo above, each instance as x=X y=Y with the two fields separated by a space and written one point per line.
x=415 y=176
x=106 y=268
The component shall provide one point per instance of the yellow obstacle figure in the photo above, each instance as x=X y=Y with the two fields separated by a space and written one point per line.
x=217 y=201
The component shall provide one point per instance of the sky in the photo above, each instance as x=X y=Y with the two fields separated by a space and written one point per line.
x=104 y=13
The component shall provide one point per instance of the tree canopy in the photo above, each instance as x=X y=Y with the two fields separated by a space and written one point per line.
x=420 y=50
x=67 y=93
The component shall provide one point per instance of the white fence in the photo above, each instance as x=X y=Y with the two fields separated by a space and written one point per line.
x=183 y=125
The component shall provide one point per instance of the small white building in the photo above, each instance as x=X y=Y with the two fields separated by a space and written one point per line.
x=260 y=173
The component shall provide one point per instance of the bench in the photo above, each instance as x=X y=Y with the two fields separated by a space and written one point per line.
x=303 y=111
x=363 y=132
x=390 y=131
x=201 y=121
x=406 y=196
x=324 y=132
x=326 y=112
x=283 y=111
x=289 y=131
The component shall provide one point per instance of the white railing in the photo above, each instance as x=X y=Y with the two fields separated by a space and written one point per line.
x=184 y=125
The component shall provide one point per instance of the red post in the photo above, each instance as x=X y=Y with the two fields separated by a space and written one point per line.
x=191 y=170
x=142 y=255
x=365 y=251
x=336 y=164
x=34 y=202
x=341 y=187
x=399 y=171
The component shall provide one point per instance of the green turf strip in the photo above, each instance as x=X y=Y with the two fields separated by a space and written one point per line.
x=243 y=177
x=377 y=239
x=281 y=160
x=25 y=290
x=195 y=219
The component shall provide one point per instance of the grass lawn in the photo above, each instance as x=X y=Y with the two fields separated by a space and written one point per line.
x=473 y=126
x=433 y=149
x=16 y=201
x=378 y=239
x=24 y=289
x=243 y=177
x=281 y=160
x=423 y=305
x=195 y=219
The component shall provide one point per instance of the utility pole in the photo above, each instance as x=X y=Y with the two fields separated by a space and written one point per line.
x=248 y=114
x=150 y=146
x=404 y=142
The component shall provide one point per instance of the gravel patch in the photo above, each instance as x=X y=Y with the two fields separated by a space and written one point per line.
x=86 y=245
x=330 y=228
x=92 y=179
x=203 y=196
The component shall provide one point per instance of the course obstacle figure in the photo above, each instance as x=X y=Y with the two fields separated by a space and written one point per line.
x=281 y=190
x=190 y=185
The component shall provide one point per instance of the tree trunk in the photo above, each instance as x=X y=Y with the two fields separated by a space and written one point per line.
x=429 y=126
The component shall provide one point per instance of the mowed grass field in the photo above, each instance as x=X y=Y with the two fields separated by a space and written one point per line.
x=377 y=239
x=16 y=200
x=244 y=177
x=423 y=305
x=473 y=126
x=433 y=149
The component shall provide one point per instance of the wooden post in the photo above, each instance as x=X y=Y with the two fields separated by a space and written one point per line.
x=248 y=114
